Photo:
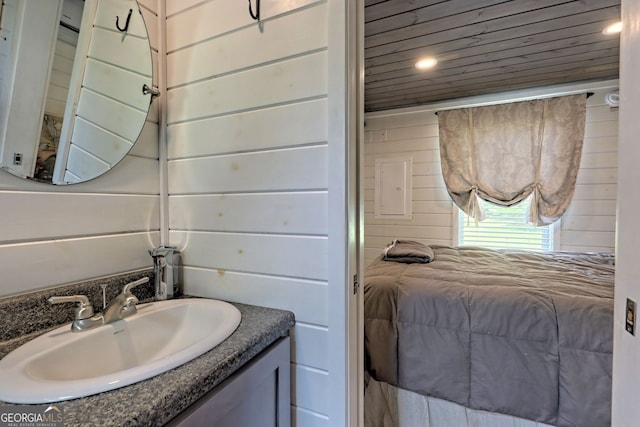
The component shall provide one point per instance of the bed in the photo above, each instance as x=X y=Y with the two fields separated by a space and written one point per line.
x=500 y=337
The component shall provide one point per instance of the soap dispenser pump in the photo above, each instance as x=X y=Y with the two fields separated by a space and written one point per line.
x=167 y=268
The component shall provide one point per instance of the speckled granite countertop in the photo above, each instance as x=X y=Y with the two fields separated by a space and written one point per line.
x=156 y=401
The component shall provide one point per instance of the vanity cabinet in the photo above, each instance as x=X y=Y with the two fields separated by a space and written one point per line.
x=257 y=395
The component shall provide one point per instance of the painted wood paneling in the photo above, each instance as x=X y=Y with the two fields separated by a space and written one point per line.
x=213 y=57
x=310 y=345
x=28 y=217
x=284 y=169
x=219 y=18
x=283 y=213
x=147 y=143
x=588 y=224
x=291 y=79
x=291 y=256
x=306 y=418
x=299 y=123
x=48 y=263
x=483 y=47
x=309 y=388
x=306 y=298
x=248 y=135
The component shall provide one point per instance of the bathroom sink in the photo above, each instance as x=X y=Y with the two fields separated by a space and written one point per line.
x=63 y=365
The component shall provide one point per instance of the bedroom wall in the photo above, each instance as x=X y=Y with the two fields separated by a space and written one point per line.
x=249 y=160
x=53 y=235
x=588 y=224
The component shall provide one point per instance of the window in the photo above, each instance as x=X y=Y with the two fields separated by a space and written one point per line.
x=504 y=228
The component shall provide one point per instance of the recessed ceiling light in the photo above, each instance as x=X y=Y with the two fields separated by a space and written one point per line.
x=613 y=28
x=426 y=63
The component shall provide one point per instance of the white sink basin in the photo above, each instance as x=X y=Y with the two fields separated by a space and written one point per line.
x=62 y=365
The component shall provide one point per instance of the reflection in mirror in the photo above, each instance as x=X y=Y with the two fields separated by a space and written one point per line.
x=71 y=100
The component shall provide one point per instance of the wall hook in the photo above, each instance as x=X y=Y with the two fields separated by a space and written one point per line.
x=255 y=16
x=146 y=90
x=126 y=25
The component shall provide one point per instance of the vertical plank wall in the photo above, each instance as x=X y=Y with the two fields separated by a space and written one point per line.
x=53 y=235
x=588 y=224
x=248 y=175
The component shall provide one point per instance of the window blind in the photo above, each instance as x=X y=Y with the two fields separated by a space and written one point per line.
x=504 y=228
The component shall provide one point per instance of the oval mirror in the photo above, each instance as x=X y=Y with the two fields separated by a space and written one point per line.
x=72 y=74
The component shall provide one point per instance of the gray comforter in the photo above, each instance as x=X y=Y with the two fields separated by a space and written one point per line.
x=520 y=333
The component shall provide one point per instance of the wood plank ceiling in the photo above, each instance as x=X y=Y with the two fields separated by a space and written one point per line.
x=483 y=46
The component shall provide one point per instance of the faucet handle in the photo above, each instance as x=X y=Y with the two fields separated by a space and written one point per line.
x=127 y=288
x=84 y=310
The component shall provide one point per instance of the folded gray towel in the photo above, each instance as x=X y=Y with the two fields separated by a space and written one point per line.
x=408 y=251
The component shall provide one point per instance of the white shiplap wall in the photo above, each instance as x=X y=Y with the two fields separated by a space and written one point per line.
x=53 y=235
x=588 y=225
x=248 y=168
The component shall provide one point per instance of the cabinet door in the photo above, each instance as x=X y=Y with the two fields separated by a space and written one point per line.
x=258 y=395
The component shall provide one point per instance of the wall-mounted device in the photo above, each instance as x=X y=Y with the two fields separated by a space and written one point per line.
x=167 y=268
x=630 y=317
x=612 y=98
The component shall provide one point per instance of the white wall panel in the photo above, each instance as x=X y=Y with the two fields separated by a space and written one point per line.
x=276 y=127
x=285 y=169
x=303 y=417
x=214 y=57
x=588 y=225
x=292 y=79
x=47 y=263
x=591 y=207
x=285 y=213
x=248 y=114
x=291 y=256
x=310 y=345
x=174 y=7
x=215 y=18
x=306 y=298
x=149 y=7
x=147 y=143
x=37 y=216
x=309 y=388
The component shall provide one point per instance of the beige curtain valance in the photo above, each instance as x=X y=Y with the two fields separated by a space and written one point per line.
x=507 y=152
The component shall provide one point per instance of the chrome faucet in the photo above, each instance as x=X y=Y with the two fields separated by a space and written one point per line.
x=122 y=306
